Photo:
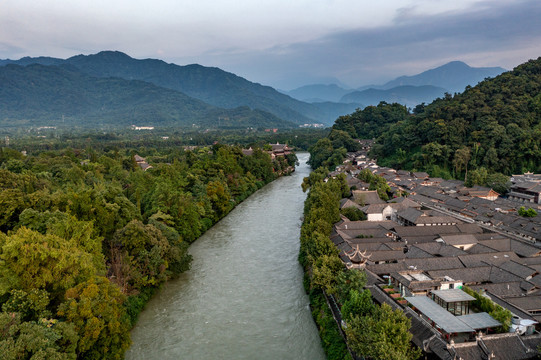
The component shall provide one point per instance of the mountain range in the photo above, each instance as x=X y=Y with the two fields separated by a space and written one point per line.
x=209 y=84
x=409 y=90
x=48 y=95
x=112 y=87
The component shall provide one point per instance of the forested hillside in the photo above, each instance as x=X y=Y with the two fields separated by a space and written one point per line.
x=492 y=127
x=86 y=237
x=326 y=277
x=209 y=84
x=59 y=95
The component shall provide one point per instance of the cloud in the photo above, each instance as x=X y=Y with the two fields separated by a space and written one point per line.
x=279 y=42
x=503 y=35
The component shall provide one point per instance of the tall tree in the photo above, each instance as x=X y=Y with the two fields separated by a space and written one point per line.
x=383 y=335
x=95 y=309
x=31 y=260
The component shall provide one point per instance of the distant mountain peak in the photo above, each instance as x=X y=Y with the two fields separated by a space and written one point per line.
x=453 y=76
x=455 y=63
x=107 y=55
x=318 y=92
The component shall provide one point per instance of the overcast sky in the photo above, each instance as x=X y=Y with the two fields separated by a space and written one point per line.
x=282 y=43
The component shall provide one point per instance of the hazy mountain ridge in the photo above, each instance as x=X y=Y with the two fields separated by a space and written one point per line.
x=319 y=93
x=451 y=77
x=406 y=95
x=227 y=90
x=335 y=110
x=38 y=94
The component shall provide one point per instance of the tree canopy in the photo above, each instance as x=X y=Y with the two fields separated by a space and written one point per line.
x=87 y=235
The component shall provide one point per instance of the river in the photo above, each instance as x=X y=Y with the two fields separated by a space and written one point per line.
x=243 y=297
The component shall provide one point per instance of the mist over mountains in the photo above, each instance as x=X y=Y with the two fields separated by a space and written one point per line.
x=407 y=90
x=113 y=88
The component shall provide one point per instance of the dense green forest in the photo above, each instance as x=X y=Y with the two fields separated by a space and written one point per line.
x=87 y=236
x=37 y=95
x=368 y=326
x=146 y=141
x=489 y=131
x=495 y=125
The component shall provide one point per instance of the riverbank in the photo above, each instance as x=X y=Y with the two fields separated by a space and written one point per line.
x=323 y=269
x=217 y=198
x=243 y=297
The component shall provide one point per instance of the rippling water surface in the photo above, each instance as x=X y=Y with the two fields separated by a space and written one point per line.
x=243 y=297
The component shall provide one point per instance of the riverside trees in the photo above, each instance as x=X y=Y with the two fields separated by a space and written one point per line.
x=372 y=331
x=87 y=236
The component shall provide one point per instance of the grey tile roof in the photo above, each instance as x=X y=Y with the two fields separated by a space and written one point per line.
x=368 y=246
x=428 y=220
x=467 y=350
x=382 y=269
x=506 y=305
x=469 y=276
x=508 y=346
x=434 y=263
x=366 y=197
x=439 y=249
x=405 y=231
x=415 y=252
x=527 y=303
x=475 y=260
x=480 y=249
x=526 y=185
x=517 y=269
x=470 y=228
x=410 y=214
x=512 y=288
x=386 y=255
x=374 y=232
x=344 y=247
x=531 y=260
x=421 y=175
x=380 y=240
x=405 y=201
x=345 y=203
x=374 y=208
x=499 y=275
x=352 y=225
x=419 y=239
x=533 y=266
x=337 y=239
x=420 y=198
x=519 y=247
x=459 y=239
